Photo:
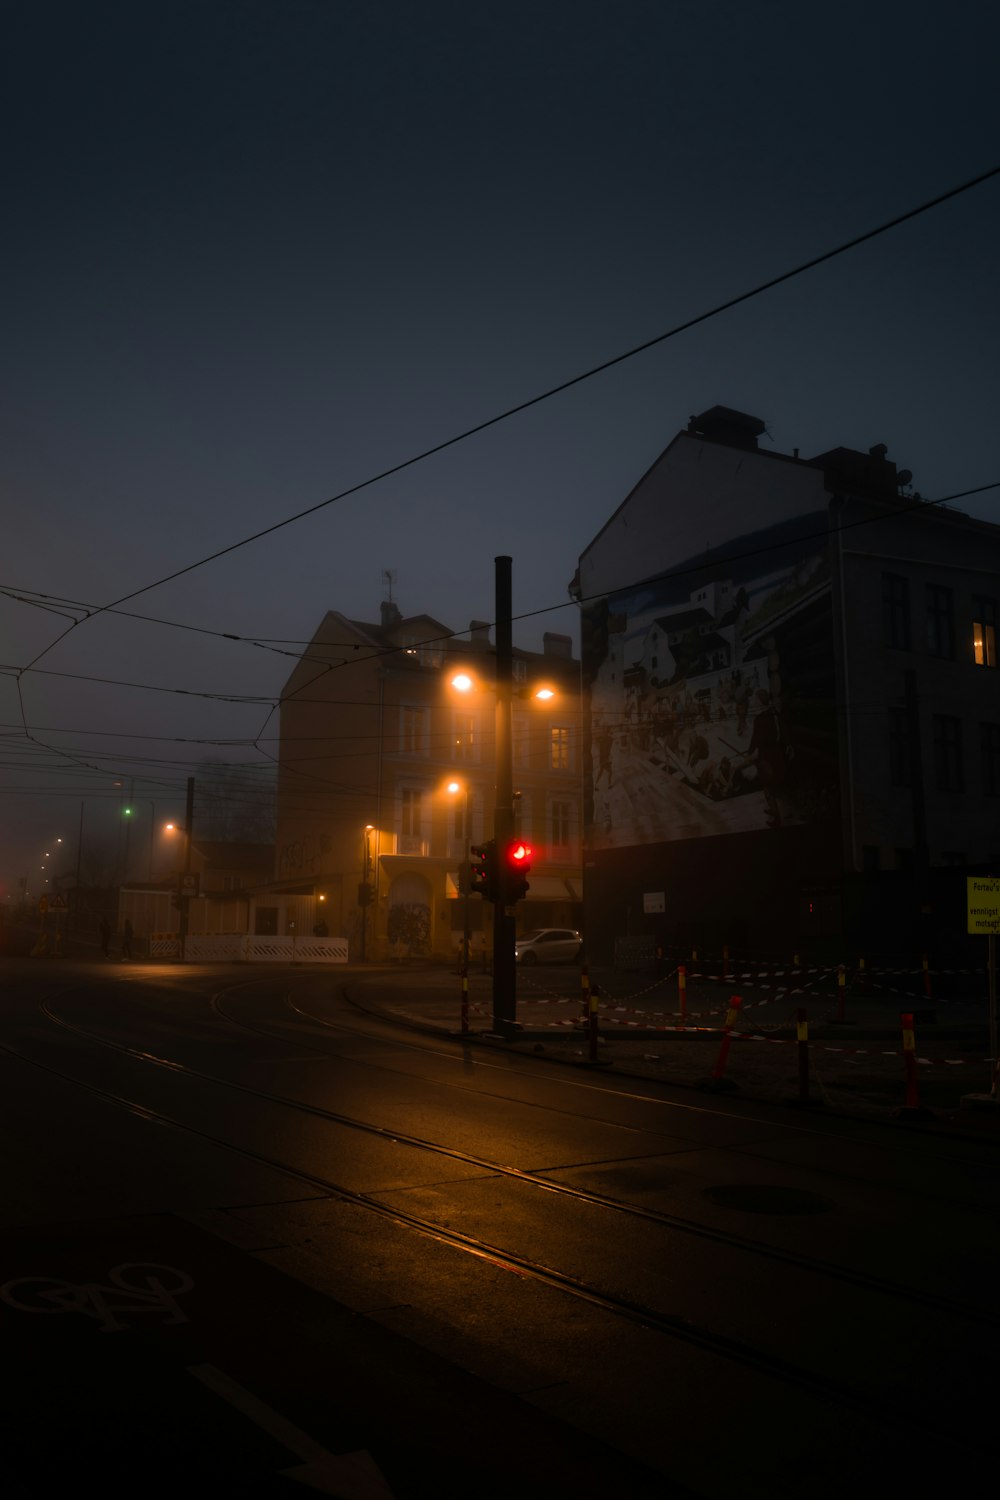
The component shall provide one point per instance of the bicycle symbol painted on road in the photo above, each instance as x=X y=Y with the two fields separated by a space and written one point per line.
x=135 y=1287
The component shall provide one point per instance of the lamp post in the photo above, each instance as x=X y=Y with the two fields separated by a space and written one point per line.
x=366 y=890
x=504 y=969
x=183 y=894
x=454 y=787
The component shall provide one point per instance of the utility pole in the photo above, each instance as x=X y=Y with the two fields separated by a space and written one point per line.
x=504 y=970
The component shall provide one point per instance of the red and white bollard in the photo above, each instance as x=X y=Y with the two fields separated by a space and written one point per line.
x=718 y=1082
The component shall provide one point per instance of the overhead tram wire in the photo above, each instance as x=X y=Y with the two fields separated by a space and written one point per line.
x=29 y=733
x=510 y=412
x=259 y=699
x=546 y=395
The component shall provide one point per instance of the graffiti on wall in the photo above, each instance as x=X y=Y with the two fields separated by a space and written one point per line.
x=712 y=696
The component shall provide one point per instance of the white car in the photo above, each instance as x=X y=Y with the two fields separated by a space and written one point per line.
x=548 y=945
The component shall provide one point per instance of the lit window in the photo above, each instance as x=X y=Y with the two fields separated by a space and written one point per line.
x=559 y=743
x=984 y=634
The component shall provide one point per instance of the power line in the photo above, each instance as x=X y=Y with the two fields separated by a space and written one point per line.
x=547 y=395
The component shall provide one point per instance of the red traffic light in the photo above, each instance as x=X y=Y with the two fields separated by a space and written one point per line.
x=518 y=863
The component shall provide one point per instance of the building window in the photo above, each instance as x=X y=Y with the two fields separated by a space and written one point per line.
x=990 y=741
x=559 y=748
x=984 y=632
x=900 y=758
x=411 y=820
x=427 y=653
x=519 y=670
x=940 y=626
x=412 y=730
x=948 y=775
x=562 y=813
x=466 y=745
x=460 y=832
x=896 y=611
x=519 y=741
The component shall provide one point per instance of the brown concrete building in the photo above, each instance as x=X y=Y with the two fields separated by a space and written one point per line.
x=387 y=775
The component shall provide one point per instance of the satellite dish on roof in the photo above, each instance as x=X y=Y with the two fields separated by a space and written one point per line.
x=903 y=477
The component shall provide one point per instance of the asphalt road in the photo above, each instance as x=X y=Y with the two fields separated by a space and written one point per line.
x=256 y=1237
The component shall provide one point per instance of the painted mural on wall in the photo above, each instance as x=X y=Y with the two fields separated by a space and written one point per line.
x=712 y=695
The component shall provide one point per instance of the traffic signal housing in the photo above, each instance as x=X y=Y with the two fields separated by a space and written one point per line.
x=483 y=869
x=517 y=864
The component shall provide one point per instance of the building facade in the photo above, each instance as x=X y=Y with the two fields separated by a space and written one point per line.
x=387 y=776
x=792 y=718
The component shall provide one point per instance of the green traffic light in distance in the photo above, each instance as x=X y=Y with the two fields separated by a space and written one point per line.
x=127 y=811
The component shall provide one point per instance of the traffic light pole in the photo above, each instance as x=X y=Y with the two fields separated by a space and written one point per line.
x=504 y=971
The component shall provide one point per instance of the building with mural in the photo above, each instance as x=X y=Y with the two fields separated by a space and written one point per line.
x=792 y=718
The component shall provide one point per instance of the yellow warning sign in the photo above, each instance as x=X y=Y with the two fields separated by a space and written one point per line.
x=984 y=903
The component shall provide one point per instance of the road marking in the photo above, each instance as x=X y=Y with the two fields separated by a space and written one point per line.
x=352 y=1476
x=136 y=1287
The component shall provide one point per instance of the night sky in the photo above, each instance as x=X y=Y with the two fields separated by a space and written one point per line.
x=256 y=253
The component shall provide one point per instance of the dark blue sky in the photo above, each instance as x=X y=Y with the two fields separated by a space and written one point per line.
x=255 y=253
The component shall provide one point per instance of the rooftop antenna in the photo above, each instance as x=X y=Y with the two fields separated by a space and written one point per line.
x=389 y=577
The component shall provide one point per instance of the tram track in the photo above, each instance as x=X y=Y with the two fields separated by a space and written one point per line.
x=733 y=1351
x=920 y=1298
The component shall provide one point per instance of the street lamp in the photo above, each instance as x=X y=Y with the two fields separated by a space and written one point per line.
x=465 y=872
x=365 y=892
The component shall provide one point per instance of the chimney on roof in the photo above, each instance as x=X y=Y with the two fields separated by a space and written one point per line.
x=721 y=424
x=479 y=631
x=557 y=645
x=390 y=613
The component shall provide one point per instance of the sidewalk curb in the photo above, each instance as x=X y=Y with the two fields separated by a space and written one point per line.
x=529 y=1042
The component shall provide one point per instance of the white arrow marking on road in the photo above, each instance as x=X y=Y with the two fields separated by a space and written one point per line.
x=352 y=1476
